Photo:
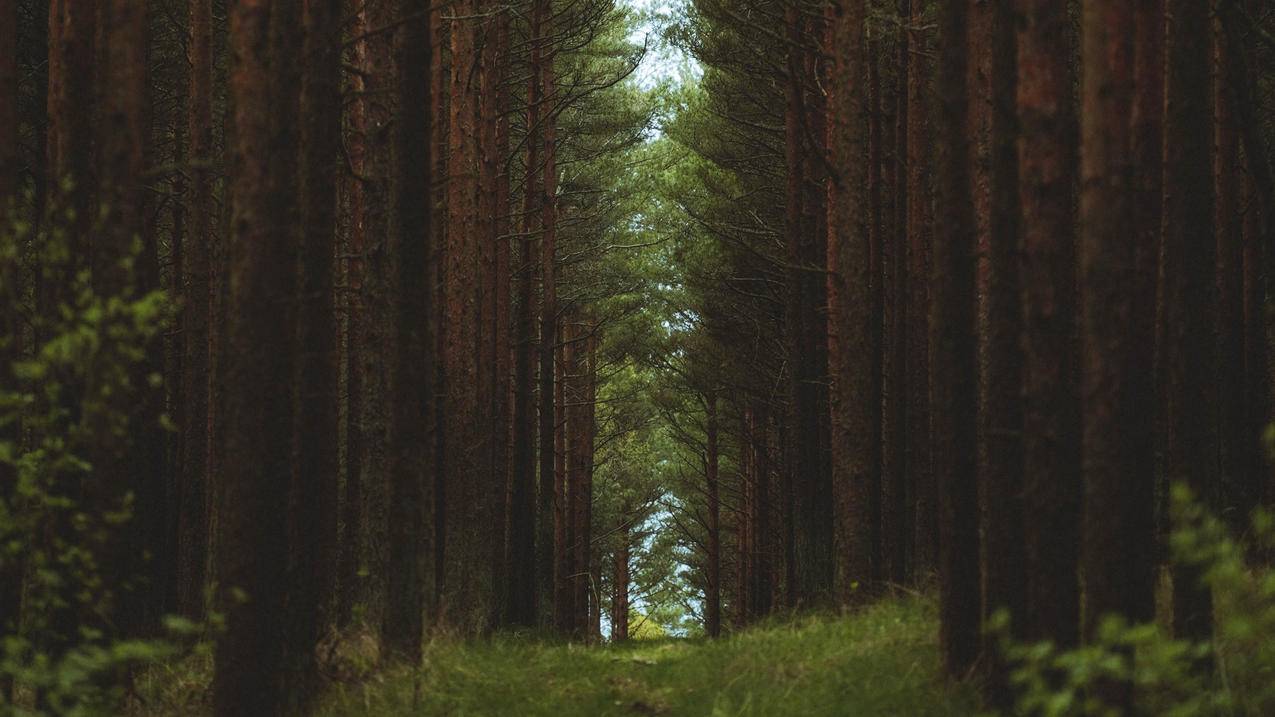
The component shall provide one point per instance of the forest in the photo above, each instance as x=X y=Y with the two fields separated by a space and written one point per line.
x=637 y=357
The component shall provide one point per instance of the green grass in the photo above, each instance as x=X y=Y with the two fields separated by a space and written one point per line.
x=882 y=661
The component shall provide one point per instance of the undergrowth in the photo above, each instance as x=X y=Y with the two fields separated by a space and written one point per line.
x=881 y=661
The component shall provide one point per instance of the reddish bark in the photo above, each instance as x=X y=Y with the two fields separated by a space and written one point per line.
x=854 y=292
x=1052 y=489
x=471 y=500
x=918 y=456
x=525 y=488
x=253 y=673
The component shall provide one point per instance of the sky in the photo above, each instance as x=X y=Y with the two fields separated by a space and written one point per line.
x=662 y=62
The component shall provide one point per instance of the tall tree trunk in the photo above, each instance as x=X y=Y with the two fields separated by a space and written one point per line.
x=411 y=484
x=72 y=31
x=1119 y=530
x=1052 y=490
x=896 y=517
x=532 y=503
x=1002 y=424
x=954 y=373
x=316 y=480
x=8 y=103
x=11 y=568
x=920 y=466
x=122 y=134
x=1147 y=129
x=376 y=329
x=620 y=580
x=253 y=672
x=591 y=562
x=194 y=490
x=492 y=438
x=552 y=452
x=763 y=575
x=571 y=592
x=1190 y=252
x=439 y=77
x=562 y=595
x=713 y=558
x=471 y=506
x=353 y=525
x=812 y=488
x=1234 y=489
x=519 y=548
x=853 y=298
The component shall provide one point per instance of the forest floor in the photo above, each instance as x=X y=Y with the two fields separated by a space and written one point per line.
x=881 y=661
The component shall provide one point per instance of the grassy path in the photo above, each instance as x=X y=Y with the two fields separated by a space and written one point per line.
x=880 y=662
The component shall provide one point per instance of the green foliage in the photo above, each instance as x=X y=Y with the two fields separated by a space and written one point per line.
x=642 y=627
x=882 y=661
x=1169 y=676
x=71 y=376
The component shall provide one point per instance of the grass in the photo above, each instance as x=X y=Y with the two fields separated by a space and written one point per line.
x=881 y=661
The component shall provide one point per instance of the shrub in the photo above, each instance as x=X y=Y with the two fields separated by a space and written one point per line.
x=67 y=400
x=1167 y=674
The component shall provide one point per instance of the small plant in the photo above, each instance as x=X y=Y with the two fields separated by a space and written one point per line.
x=1165 y=673
x=71 y=376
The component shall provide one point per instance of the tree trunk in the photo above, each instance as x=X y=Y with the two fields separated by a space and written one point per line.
x=954 y=375
x=589 y=559
x=194 y=491
x=1002 y=424
x=812 y=488
x=1147 y=129
x=896 y=519
x=1190 y=252
x=1119 y=528
x=918 y=456
x=713 y=569
x=1234 y=490
x=520 y=548
x=11 y=331
x=1052 y=490
x=562 y=557
x=853 y=299
x=315 y=479
x=353 y=539
x=471 y=506
x=72 y=31
x=412 y=464
x=552 y=453
x=532 y=503
x=253 y=675
x=620 y=588
x=8 y=103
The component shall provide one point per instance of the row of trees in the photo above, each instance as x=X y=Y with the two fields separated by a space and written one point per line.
x=970 y=284
x=396 y=241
